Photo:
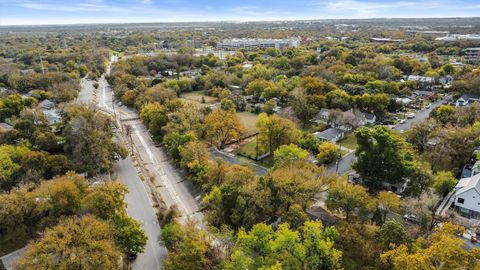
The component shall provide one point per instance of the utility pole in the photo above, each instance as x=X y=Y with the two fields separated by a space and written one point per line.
x=256 y=147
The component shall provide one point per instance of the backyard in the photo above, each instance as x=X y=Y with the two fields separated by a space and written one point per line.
x=349 y=141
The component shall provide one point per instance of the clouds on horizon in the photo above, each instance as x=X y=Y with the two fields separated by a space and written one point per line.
x=117 y=11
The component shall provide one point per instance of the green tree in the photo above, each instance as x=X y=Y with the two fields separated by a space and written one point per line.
x=193 y=157
x=80 y=243
x=155 y=118
x=276 y=131
x=223 y=126
x=297 y=183
x=174 y=140
x=104 y=200
x=128 y=234
x=328 y=153
x=383 y=156
x=88 y=140
x=444 y=114
x=289 y=153
x=350 y=200
x=303 y=109
x=443 y=182
x=387 y=203
x=309 y=247
x=189 y=247
x=443 y=249
x=392 y=232
x=269 y=106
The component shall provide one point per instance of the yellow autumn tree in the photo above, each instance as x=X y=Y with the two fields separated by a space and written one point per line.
x=223 y=126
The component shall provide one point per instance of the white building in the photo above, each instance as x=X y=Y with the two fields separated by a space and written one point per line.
x=467 y=99
x=456 y=37
x=420 y=79
x=253 y=44
x=472 y=55
x=467 y=197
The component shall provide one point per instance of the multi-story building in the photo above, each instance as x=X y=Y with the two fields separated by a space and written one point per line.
x=253 y=44
x=472 y=55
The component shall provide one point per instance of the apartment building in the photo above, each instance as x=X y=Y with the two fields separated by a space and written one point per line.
x=253 y=44
x=472 y=55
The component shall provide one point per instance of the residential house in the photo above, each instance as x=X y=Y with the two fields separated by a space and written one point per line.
x=46 y=104
x=236 y=89
x=370 y=118
x=322 y=116
x=467 y=99
x=330 y=135
x=49 y=110
x=396 y=188
x=421 y=79
x=4 y=127
x=404 y=101
x=467 y=197
x=53 y=116
x=344 y=120
x=446 y=80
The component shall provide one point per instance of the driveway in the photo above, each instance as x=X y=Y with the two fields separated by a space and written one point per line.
x=345 y=164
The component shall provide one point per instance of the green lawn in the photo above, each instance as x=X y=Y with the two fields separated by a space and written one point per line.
x=249 y=149
x=349 y=141
x=249 y=121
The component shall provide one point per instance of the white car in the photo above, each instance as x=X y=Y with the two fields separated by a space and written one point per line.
x=402 y=121
x=410 y=115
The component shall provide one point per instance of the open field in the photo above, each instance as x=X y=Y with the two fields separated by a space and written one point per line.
x=198 y=97
x=249 y=121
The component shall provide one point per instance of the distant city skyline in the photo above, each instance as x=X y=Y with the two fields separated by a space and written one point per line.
x=33 y=12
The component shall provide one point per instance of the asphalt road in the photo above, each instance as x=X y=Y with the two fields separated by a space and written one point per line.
x=167 y=178
x=419 y=116
x=345 y=164
x=139 y=205
x=139 y=208
x=86 y=92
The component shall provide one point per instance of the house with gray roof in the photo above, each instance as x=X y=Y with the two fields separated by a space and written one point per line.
x=322 y=116
x=467 y=99
x=330 y=135
x=467 y=197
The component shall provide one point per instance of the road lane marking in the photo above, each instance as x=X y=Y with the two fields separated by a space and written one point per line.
x=170 y=189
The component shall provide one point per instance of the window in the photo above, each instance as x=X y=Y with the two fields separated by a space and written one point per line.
x=461 y=200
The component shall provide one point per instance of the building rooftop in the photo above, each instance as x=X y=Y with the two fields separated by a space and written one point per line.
x=5 y=126
x=468 y=183
x=329 y=134
x=470 y=96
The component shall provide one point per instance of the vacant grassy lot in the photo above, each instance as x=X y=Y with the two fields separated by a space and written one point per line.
x=249 y=120
x=350 y=141
x=249 y=149
x=198 y=97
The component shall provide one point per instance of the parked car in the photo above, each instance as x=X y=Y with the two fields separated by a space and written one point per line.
x=410 y=115
x=412 y=218
x=402 y=121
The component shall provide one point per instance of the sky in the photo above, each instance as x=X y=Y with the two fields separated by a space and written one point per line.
x=31 y=12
